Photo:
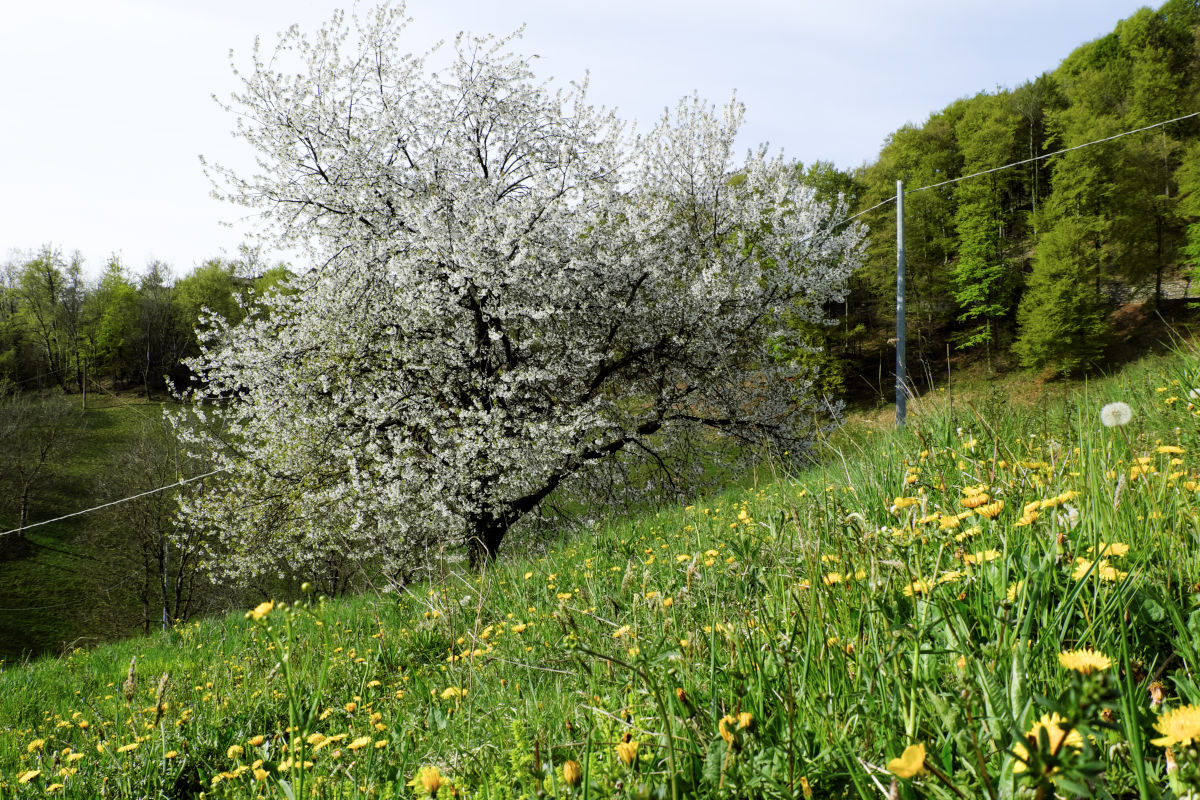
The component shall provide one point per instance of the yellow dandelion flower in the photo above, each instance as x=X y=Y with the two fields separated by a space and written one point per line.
x=918 y=586
x=572 y=773
x=260 y=610
x=125 y=748
x=627 y=752
x=976 y=500
x=255 y=741
x=453 y=692
x=745 y=721
x=901 y=503
x=726 y=728
x=1170 y=449
x=35 y=745
x=26 y=777
x=429 y=779
x=1085 y=660
x=1178 y=726
x=991 y=510
x=1110 y=549
x=1056 y=735
x=359 y=743
x=832 y=578
x=565 y=595
x=234 y=751
x=910 y=763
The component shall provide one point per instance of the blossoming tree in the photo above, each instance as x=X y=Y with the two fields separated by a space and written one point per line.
x=506 y=289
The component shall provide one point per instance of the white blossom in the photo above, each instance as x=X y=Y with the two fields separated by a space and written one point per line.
x=506 y=291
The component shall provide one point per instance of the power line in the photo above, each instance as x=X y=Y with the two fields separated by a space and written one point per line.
x=1056 y=152
x=1022 y=162
x=113 y=503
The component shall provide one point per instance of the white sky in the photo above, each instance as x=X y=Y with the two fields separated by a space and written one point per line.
x=108 y=103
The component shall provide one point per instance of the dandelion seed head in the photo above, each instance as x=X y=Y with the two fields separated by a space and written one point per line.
x=1115 y=415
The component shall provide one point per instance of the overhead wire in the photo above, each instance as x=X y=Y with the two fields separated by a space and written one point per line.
x=1022 y=162
x=180 y=482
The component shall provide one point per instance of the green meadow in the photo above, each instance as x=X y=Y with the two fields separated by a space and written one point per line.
x=999 y=600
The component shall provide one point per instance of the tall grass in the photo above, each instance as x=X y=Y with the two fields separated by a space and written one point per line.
x=889 y=623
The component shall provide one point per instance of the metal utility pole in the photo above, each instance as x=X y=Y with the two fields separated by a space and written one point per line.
x=901 y=392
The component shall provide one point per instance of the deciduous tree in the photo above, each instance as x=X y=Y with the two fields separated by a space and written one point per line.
x=506 y=289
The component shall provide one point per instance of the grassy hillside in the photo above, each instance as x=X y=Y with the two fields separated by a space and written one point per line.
x=898 y=614
x=49 y=595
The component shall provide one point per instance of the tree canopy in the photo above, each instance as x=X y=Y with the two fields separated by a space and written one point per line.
x=506 y=290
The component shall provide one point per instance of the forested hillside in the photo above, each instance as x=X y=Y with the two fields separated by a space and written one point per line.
x=1025 y=266
x=126 y=330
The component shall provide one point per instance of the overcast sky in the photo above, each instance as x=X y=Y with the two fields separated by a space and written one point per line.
x=108 y=103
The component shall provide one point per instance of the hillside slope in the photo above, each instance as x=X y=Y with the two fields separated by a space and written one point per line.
x=804 y=634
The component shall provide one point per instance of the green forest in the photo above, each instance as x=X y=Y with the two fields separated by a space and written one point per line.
x=1026 y=267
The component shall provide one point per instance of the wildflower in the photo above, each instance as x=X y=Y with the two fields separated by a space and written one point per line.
x=805 y=789
x=917 y=587
x=1157 y=694
x=1085 y=661
x=234 y=751
x=745 y=721
x=1170 y=449
x=1110 y=549
x=567 y=595
x=54 y=787
x=1178 y=726
x=168 y=755
x=1115 y=415
x=627 y=752
x=901 y=503
x=910 y=763
x=35 y=745
x=1056 y=735
x=976 y=500
x=991 y=510
x=255 y=741
x=453 y=693
x=1027 y=518
x=430 y=779
x=125 y=748
x=981 y=556
x=725 y=726
x=260 y=610
x=359 y=743
x=572 y=773
x=1103 y=569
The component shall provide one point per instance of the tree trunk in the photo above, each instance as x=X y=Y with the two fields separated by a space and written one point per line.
x=485 y=540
